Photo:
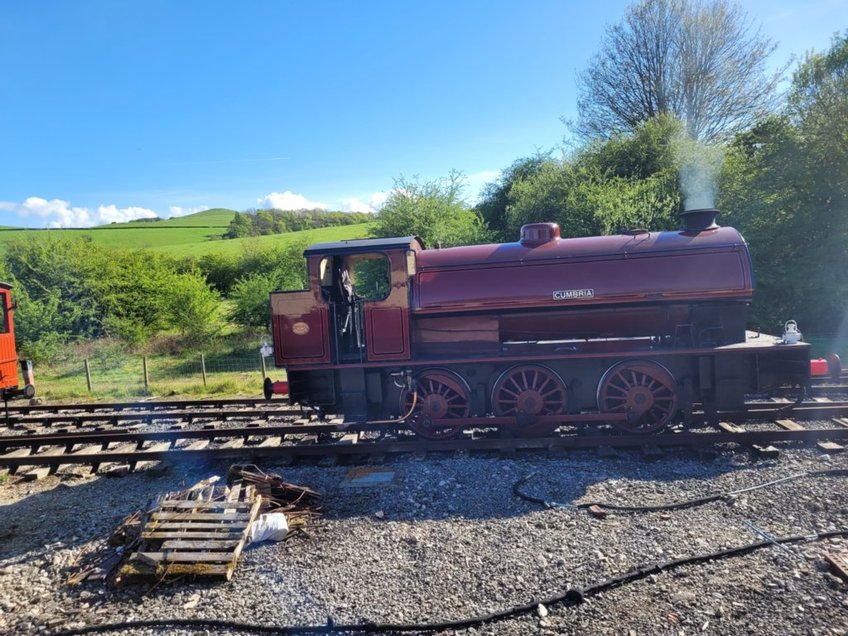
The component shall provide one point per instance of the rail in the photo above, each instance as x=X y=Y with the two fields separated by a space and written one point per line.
x=298 y=437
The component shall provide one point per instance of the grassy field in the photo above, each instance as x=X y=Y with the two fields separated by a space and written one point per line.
x=232 y=362
x=191 y=235
x=232 y=366
x=216 y=217
x=236 y=246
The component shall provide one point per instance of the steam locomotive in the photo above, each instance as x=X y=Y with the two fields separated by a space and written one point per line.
x=631 y=329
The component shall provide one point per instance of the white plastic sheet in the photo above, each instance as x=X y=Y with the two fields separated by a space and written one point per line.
x=271 y=526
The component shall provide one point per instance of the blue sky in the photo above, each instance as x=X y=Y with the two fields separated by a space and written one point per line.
x=113 y=110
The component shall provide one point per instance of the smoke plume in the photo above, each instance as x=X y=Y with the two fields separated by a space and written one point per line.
x=700 y=167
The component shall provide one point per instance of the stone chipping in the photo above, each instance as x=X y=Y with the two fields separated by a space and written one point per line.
x=450 y=540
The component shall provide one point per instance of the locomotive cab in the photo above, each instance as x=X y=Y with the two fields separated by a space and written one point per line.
x=355 y=311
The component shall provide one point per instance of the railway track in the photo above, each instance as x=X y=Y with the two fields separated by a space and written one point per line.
x=80 y=418
x=118 y=414
x=147 y=405
x=37 y=454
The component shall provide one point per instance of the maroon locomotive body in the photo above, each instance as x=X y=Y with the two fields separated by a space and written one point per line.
x=630 y=329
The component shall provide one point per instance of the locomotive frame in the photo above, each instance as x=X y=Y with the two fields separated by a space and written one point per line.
x=632 y=329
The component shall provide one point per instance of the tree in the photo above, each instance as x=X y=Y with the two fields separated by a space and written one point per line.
x=265 y=272
x=433 y=210
x=818 y=105
x=45 y=267
x=699 y=60
x=251 y=300
x=494 y=200
x=40 y=325
x=785 y=185
x=627 y=181
x=192 y=306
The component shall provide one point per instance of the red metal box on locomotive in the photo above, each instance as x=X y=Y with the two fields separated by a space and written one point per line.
x=630 y=329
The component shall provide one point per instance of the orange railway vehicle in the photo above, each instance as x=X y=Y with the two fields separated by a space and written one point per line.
x=11 y=386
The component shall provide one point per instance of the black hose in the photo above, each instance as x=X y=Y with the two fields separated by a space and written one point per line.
x=677 y=505
x=570 y=597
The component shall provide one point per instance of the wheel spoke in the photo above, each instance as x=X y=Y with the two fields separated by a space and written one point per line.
x=528 y=390
x=643 y=388
x=442 y=394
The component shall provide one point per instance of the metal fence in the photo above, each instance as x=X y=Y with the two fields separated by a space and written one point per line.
x=136 y=374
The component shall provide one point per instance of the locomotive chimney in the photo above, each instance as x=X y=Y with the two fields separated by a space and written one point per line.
x=534 y=234
x=699 y=220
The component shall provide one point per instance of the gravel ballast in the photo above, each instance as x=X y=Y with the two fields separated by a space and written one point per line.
x=450 y=540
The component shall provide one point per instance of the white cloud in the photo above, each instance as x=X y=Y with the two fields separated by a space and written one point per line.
x=57 y=213
x=477 y=180
x=289 y=201
x=355 y=205
x=54 y=213
x=176 y=210
x=114 y=214
x=376 y=200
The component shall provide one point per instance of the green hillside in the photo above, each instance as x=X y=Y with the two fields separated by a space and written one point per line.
x=236 y=246
x=216 y=217
x=190 y=235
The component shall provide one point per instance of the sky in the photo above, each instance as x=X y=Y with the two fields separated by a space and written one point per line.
x=117 y=110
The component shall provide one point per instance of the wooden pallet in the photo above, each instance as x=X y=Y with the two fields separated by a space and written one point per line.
x=195 y=532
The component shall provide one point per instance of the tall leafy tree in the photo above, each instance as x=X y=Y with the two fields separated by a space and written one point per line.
x=785 y=184
x=627 y=181
x=434 y=210
x=702 y=61
x=495 y=196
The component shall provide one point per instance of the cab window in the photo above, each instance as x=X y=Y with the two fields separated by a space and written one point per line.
x=4 y=313
x=370 y=275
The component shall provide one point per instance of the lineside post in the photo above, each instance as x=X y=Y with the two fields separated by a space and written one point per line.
x=262 y=360
x=146 y=376
x=203 y=368
x=87 y=374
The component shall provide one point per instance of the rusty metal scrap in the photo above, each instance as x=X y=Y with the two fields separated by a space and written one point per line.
x=129 y=530
x=278 y=495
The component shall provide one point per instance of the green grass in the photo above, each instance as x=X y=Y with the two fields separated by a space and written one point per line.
x=134 y=238
x=236 y=246
x=232 y=365
x=216 y=217
x=191 y=235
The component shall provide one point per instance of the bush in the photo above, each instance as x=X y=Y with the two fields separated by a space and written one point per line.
x=285 y=269
x=221 y=270
x=192 y=307
x=432 y=210
x=251 y=303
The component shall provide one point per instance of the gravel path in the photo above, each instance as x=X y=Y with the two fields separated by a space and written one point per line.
x=450 y=540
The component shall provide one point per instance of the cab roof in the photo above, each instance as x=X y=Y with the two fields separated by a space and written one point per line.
x=361 y=246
